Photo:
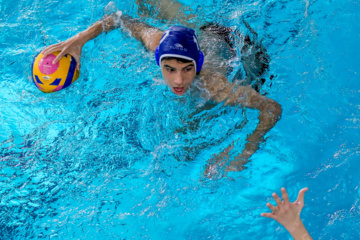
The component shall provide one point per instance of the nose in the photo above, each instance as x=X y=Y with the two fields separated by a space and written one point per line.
x=179 y=79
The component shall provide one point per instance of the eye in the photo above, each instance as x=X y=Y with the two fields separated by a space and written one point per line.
x=170 y=69
x=189 y=69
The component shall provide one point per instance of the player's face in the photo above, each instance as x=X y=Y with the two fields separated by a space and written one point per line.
x=177 y=75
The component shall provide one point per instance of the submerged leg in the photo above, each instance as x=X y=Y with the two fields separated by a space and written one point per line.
x=254 y=56
x=219 y=47
x=255 y=60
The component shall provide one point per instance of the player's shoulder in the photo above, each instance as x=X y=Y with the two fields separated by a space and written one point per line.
x=215 y=83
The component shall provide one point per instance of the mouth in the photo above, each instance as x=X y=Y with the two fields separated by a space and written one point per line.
x=179 y=90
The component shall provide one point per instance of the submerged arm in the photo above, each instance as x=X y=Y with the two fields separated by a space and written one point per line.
x=269 y=113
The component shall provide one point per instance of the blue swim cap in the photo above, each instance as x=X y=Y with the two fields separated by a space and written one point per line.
x=180 y=42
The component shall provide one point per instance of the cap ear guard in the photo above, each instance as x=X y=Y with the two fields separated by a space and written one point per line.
x=200 y=62
x=157 y=57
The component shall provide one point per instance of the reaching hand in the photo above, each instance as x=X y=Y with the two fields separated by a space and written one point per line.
x=215 y=170
x=215 y=167
x=72 y=46
x=288 y=214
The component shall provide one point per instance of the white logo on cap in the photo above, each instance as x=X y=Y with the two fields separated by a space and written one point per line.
x=178 y=46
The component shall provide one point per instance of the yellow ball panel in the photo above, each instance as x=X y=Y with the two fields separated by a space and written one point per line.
x=49 y=77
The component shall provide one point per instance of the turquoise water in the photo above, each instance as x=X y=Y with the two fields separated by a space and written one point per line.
x=116 y=156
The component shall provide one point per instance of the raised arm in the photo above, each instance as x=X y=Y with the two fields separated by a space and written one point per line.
x=146 y=34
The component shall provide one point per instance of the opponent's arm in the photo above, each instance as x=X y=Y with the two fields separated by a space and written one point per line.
x=146 y=34
x=288 y=214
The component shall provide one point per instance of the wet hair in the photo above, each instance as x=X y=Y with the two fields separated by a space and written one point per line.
x=182 y=60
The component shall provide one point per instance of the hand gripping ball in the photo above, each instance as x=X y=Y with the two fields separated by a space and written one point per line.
x=49 y=77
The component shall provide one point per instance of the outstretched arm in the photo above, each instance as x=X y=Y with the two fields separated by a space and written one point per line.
x=148 y=35
x=288 y=214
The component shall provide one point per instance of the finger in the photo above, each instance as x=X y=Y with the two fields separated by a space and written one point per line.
x=277 y=199
x=42 y=52
x=272 y=207
x=210 y=171
x=268 y=215
x=49 y=50
x=285 y=195
x=46 y=52
x=46 y=49
x=300 y=198
x=77 y=59
x=58 y=57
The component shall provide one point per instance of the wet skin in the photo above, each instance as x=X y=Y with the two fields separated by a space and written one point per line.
x=177 y=75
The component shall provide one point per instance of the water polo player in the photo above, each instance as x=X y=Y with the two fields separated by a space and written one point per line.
x=178 y=53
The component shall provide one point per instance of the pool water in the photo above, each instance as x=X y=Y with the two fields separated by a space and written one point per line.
x=117 y=156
